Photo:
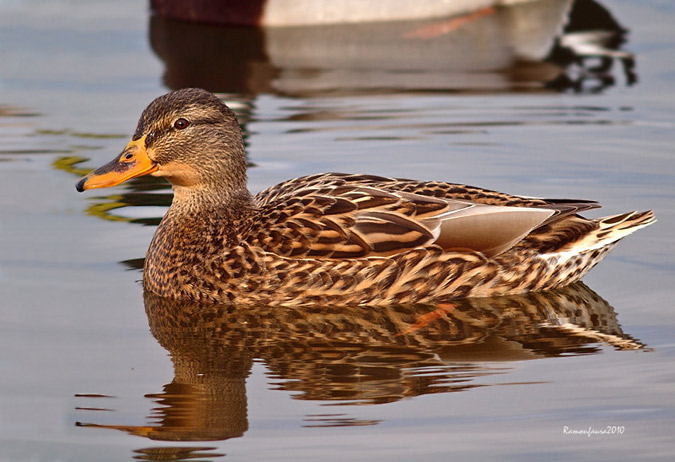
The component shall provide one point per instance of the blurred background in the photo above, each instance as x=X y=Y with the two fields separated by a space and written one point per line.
x=554 y=98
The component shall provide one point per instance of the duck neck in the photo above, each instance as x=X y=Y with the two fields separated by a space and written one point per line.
x=198 y=227
x=205 y=207
x=207 y=198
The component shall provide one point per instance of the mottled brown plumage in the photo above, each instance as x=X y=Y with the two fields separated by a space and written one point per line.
x=338 y=238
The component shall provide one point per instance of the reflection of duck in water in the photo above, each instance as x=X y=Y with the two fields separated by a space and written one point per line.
x=337 y=238
x=356 y=355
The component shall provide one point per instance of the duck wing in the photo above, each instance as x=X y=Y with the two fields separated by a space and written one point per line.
x=352 y=216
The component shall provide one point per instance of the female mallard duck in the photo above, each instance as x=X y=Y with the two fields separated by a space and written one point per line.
x=339 y=238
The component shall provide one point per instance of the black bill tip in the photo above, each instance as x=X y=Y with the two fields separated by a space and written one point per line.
x=80 y=184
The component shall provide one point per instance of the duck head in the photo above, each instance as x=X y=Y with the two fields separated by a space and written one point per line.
x=189 y=137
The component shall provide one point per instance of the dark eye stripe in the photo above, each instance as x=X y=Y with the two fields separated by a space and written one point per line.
x=160 y=132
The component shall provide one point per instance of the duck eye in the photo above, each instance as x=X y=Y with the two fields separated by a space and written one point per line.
x=181 y=123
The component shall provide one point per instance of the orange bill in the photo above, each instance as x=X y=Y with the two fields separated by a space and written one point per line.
x=133 y=162
x=145 y=431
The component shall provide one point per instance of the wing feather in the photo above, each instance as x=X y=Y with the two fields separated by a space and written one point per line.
x=352 y=216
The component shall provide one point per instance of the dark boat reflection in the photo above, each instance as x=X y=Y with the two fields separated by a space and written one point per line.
x=355 y=355
x=522 y=46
